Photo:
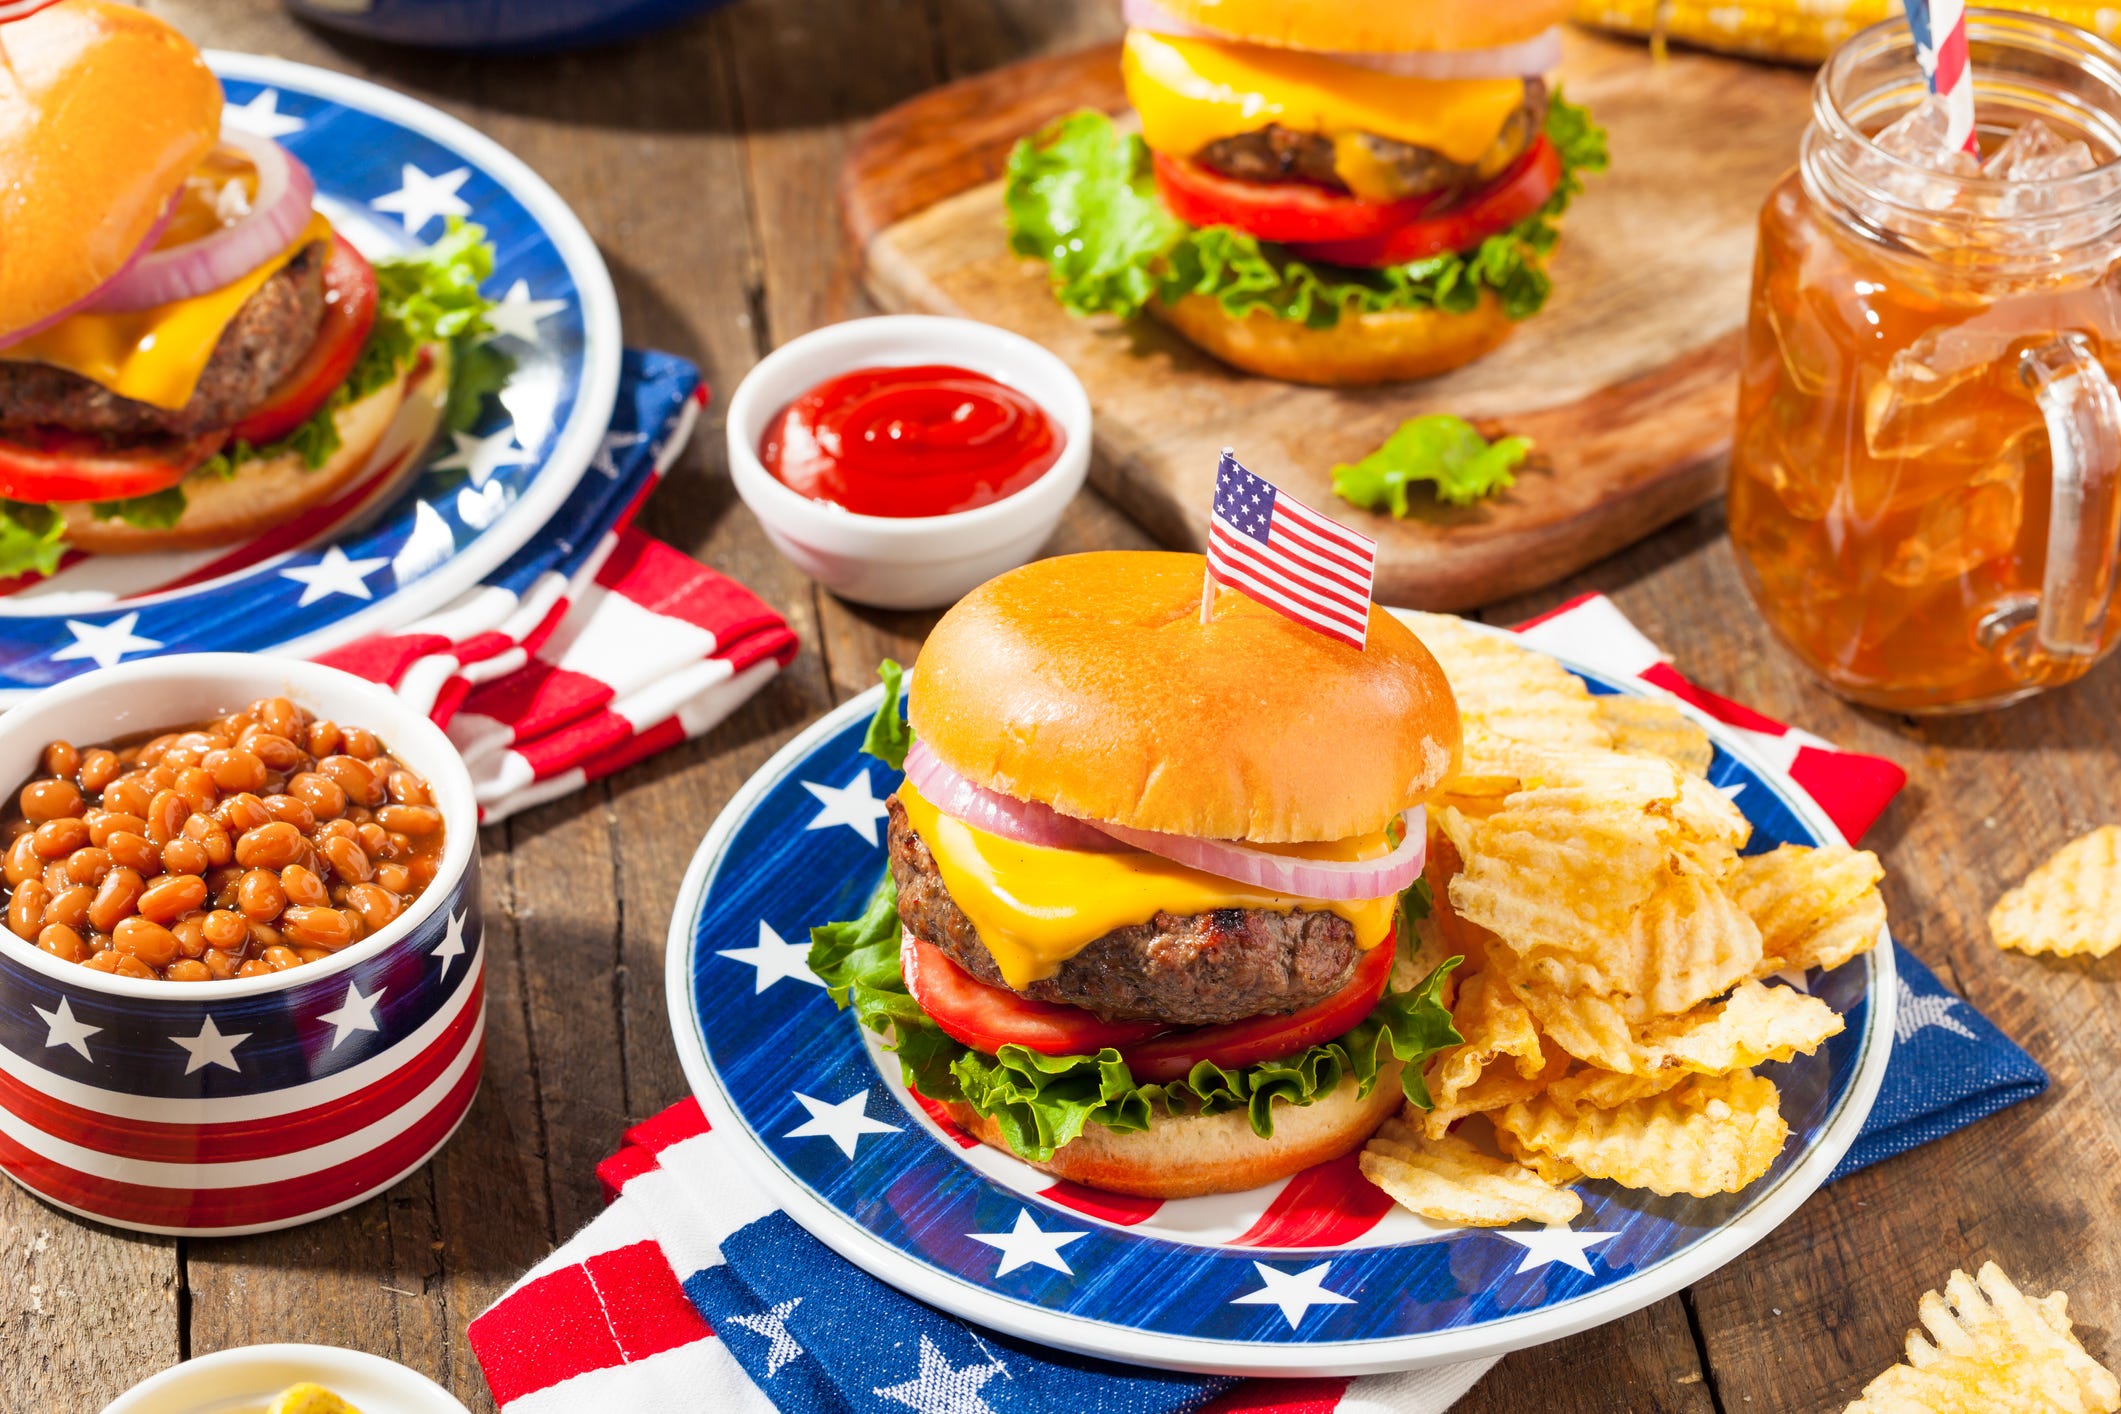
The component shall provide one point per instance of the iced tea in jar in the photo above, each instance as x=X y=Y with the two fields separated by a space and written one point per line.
x=1925 y=487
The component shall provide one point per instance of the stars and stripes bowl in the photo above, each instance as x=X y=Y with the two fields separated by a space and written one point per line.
x=258 y=1102
x=912 y=562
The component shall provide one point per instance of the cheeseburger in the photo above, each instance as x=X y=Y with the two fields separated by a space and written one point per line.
x=1147 y=876
x=1324 y=191
x=189 y=353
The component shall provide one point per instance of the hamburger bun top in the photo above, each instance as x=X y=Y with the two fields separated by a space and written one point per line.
x=105 y=113
x=1088 y=682
x=1374 y=26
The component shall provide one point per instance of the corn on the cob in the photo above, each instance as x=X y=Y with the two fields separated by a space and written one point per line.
x=1798 y=30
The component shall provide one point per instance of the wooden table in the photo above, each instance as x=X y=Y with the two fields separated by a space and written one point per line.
x=703 y=161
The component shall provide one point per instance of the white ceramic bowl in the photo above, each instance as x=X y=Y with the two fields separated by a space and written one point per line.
x=922 y=562
x=243 y=1380
x=258 y=1102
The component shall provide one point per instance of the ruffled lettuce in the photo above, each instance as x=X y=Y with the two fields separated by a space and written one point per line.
x=422 y=296
x=1080 y=196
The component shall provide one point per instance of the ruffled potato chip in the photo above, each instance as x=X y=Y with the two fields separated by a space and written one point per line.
x=1815 y=907
x=2069 y=905
x=1497 y=1086
x=1605 y=1090
x=1559 y=1172
x=1508 y=694
x=1451 y=1181
x=1991 y=1348
x=1755 y=1024
x=1713 y=1134
x=1646 y=726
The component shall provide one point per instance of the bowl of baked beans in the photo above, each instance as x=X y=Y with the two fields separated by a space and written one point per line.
x=241 y=973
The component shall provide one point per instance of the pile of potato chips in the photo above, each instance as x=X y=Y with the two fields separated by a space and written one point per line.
x=1991 y=1348
x=1612 y=999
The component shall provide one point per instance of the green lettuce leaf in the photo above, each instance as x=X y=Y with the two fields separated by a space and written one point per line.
x=32 y=538
x=889 y=737
x=1447 y=452
x=1080 y=196
x=1041 y=1102
x=159 y=511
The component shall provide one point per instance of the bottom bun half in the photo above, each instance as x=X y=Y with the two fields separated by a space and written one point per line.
x=382 y=435
x=1189 y=1156
x=1362 y=347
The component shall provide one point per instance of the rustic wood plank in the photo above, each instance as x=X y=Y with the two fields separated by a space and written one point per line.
x=85 y=1310
x=1640 y=1364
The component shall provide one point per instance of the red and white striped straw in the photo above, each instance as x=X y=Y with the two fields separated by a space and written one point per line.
x=1940 y=47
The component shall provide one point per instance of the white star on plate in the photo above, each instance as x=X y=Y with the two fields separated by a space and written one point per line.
x=420 y=198
x=105 y=643
x=844 y=1123
x=1797 y=979
x=604 y=461
x=1028 y=1245
x=63 y=1030
x=775 y=958
x=1555 y=1243
x=210 y=1047
x=356 y=1013
x=1732 y=790
x=773 y=1325
x=334 y=574
x=854 y=805
x=516 y=316
x=452 y=944
x=483 y=456
x=1918 y=1014
x=940 y=1388
x=262 y=116
x=1294 y=1292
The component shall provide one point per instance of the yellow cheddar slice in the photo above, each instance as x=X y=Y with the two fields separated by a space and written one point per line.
x=1191 y=92
x=1037 y=907
x=155 y=356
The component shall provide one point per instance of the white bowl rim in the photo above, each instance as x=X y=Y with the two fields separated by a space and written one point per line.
x=339 y=1356
x=314 y=684
x=999 y=344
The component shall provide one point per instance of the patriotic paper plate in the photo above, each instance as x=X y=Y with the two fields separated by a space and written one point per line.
x=390 y=171
x=1319 y=1274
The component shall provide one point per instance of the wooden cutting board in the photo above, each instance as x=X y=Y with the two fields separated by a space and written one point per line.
x=1626 y=382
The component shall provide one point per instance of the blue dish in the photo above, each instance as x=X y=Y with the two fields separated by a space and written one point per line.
x=498 y=24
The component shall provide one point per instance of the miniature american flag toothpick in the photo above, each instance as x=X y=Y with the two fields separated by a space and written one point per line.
x=1268 y=545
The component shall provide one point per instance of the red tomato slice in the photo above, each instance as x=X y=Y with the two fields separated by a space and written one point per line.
x=349 y=313
x=989 y=1018
x=1241 y=1043
x=1516 y=194
x=83 y=469
x=1276 y=211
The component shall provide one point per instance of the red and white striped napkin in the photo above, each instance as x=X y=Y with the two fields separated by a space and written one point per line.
x=606 y=1322
x=585 y=669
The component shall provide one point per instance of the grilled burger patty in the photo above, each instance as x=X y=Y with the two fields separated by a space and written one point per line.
x=1195 y=970
x=260 y=347
x=1275 y=154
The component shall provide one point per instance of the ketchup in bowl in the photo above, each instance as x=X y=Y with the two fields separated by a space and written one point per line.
x=919 y=441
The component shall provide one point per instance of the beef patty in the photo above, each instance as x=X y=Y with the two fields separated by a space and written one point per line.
x=1275 y=153
x=1192 y=970
x=260 y=347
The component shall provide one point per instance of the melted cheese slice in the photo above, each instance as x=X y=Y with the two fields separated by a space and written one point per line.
x=1037 y=907
x=1191 y=92
x=155 y=356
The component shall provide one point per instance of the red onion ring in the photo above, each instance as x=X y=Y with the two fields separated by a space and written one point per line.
x=147 y=243
x=1330 y=879
x=1025 y=821
x=277 y=216
x=1538 y=55
x=1029 y=822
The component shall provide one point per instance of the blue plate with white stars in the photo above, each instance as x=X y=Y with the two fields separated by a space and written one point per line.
x=390 y=172
x=1318 y=1274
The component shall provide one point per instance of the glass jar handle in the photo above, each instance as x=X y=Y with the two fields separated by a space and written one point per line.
x=2083 y=413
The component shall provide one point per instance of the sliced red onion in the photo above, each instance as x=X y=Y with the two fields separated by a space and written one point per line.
x=1025 y=821
x=147 y=243
x=276 y=216
x=1538 y=55
x=1331 y=879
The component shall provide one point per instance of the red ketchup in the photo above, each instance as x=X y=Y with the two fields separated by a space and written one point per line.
x=920 y=441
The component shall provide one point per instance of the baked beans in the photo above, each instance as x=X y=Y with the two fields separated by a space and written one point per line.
x=237 y=847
